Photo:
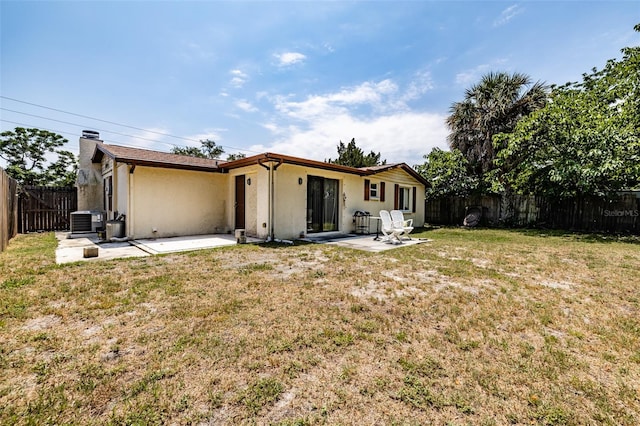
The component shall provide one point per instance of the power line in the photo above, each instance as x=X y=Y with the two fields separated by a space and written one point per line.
x=114 y=123
x=62 y=132
x=80 y=125
x=96 y=119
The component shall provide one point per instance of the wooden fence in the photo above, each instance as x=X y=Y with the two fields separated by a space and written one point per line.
x=46 y=208
x=8 y=209
x=621 y=214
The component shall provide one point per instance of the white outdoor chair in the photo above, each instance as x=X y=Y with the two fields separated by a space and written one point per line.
x=399 y=222
x=390 y=232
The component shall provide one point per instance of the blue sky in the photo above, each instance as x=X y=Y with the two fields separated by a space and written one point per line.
x=287 y=77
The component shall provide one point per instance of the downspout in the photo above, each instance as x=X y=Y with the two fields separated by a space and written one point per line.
x=130 y=217
x=273 y=196
x=271 y=202
x=271 y=168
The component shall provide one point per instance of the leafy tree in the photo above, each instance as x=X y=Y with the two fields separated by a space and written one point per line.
x=233 y=157
x=208 y=149
x=585 y=141
x=492 y=106
x=447 y=171
x=35 y=157
x=351 y=155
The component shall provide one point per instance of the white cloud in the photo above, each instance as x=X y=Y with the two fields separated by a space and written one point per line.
x=211 y=134
x=373 y=113
x=239 y=78
x=366 y=94
x=507 y=15
x=471 y=76
x=245 y=105
x=402 y=137
x=289 y=58
x=420 y=85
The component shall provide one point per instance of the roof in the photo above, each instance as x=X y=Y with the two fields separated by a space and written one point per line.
x=363 y=171
x=145 y=157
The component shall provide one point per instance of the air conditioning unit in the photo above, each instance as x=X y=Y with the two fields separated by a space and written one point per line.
x=87 y=221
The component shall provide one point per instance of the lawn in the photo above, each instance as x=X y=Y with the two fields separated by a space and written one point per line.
x=480 y=327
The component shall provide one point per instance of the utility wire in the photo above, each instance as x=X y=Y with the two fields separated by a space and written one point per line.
x=80 y=125
x=61 y=132
x=114 y=123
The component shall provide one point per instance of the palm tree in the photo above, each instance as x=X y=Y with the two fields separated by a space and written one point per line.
x=492 y=106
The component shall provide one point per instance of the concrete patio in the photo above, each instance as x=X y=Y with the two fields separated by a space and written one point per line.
x=363 y=242
x=71 y=247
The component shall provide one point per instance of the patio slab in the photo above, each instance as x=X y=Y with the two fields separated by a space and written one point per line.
x=188 y=243
x=72 y=249
x=366 y=242
x=71 y=246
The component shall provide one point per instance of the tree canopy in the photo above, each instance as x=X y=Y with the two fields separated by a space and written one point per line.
x=238 y=156
x=207 y=149
x=585 y=141
x=36 y=157
x=447 y=171
x=492 y=106
x=353 y=156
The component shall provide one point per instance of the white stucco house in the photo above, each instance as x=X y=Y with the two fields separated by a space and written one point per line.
x=270 y=196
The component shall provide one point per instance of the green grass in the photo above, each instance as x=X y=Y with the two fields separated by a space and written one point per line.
x=476 y=326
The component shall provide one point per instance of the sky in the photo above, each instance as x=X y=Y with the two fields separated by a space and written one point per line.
x=293 y=78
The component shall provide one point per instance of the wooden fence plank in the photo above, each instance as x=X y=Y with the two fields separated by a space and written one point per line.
x=44 y=208
x=8 y=209
x=621 y=214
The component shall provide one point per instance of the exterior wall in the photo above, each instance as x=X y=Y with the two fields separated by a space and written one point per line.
x=170 y=202
x=290 y=210
x=290 y=216
x=251 y=204
x=121 y=189
x=256 y=200
x=89 y=180
x=391 y=178
x=161 y=202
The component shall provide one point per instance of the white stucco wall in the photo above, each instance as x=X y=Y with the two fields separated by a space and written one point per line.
x=256 y=200
x=176 y=202
x=121 y=187
x=291 y=198
x=391 y=178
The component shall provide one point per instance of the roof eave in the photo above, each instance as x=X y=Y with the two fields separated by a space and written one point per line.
x=101 y=151
x=268 y=156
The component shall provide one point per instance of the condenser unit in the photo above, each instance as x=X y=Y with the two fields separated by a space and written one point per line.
x=87 y=221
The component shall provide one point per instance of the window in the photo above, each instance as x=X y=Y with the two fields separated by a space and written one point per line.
x=373 y=191
x=405 y=198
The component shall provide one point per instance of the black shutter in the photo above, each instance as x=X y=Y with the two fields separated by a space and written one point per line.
x=396 y=196
x=415 y=191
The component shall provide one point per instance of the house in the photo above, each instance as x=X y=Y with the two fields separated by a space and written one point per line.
x=268 y=195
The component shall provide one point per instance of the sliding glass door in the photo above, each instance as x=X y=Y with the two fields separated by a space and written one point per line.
x=322 y=204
